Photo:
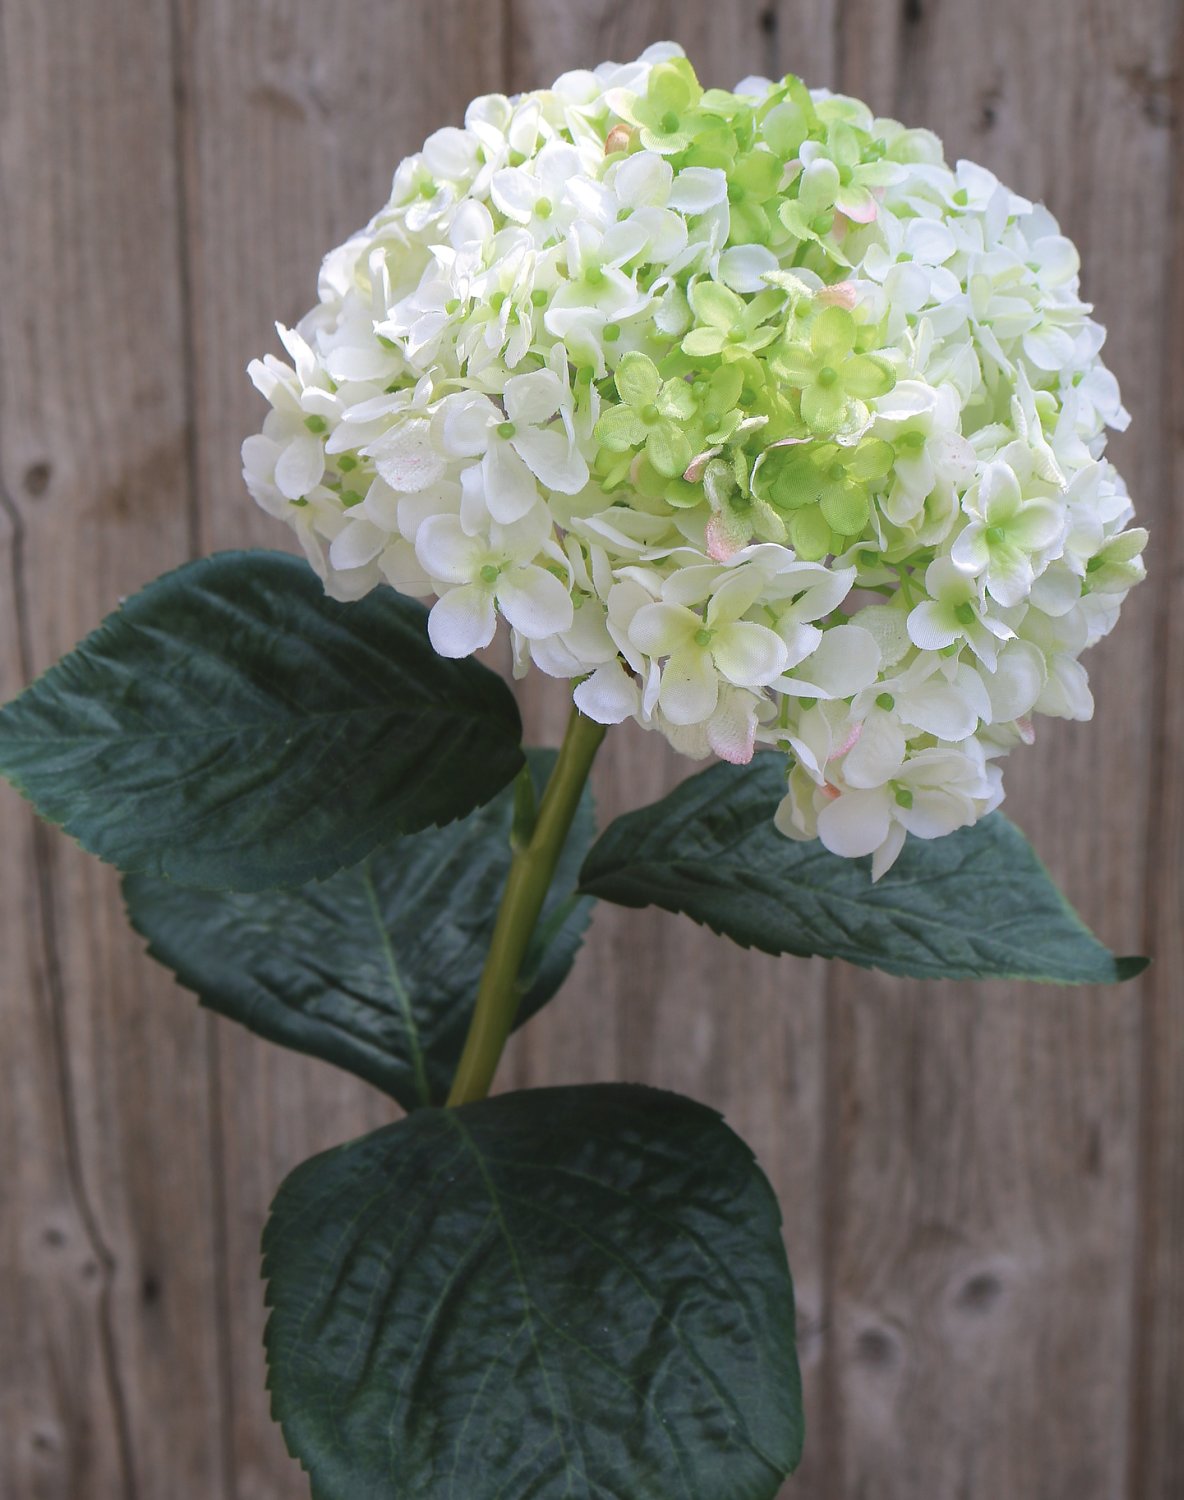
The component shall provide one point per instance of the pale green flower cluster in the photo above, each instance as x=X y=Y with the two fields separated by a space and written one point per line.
x=750 y=416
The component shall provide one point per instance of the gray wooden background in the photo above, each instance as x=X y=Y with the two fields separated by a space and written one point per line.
x=983 y=1185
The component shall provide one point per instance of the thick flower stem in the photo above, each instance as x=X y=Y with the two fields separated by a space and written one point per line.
x=527 y=884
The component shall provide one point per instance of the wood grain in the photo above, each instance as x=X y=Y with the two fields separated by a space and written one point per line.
x=986 y=1140
x=983 y=1185
x=110 y=1358
x=1156 y=1397
x=295 y=119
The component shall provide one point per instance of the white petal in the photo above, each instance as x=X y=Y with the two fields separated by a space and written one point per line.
x=929 y=627
x=300 y=467
x=935 y=813
x=938 y=708
x=877 y=754
x=1058 y=259
x=534 y=398
x=1049 y=348
x=749 y=655
x=467 y=424
x=401 y=569
x=743 y=267
x=888 y=852
x=515 y=192
x=690 y=687
x=463 y=621
x=970 y=552
x=659 y=629
x=357 y=544
x=644 y=178
x=552 y=458
x=510 y=490
x=446 y=551
x=696 y=189
x=846 y=661
x=929 y=241
x=1016 y=683
x=534 y=602
x=609 y=696
x=856 y=823
x=406 y=458
x=450 y=153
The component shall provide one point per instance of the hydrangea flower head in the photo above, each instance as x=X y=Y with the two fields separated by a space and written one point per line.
x=745 y=412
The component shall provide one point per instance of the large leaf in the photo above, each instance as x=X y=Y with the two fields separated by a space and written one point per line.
x=975 y=904
x=375 y=969
x=230 y=726
x=557 y=1294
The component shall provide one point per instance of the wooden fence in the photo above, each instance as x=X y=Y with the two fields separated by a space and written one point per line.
x=983 y=1184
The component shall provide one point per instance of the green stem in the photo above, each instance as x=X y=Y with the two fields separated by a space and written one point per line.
x=527 y=884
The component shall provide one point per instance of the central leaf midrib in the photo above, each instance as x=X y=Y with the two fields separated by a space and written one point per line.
x=402 y=995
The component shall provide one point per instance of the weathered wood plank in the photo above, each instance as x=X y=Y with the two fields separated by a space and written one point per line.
x=110 y=1357
x=654 y=998
x=296 y=119
x=983 y=1213
x=1157 y=1390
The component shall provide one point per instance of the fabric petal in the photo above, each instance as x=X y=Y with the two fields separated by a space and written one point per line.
x=534 y=602
x=659 y=629
x=609 y=696
x=446 y=551
x=467 y=424
x=743 y=267
x=462 y=621
x=510 y=490
x=644 y=178
x=856 y=823
x=690 y=687
x=877 y=754
x=406 y=458
x=930 y=628
x=552 y=458
x=748 y=655
x=358 y=543
x=696 y=189
x=300 y=467
x=534 y=398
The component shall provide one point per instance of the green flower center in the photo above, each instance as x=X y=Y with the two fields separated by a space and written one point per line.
x=996 y=534
x=904 y=798
x=544 y=208
x=703 y=636
x=827 y=376
x=886 y=701
x=964 y=614
x=670 y=122
x=594 y=276
x=650 y=414
x=506 y=430
x=489 y=573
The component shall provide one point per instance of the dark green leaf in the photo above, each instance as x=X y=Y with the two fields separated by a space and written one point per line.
x=557 y=1294
x=975 y=904
x=232 y=727
x=376 y=968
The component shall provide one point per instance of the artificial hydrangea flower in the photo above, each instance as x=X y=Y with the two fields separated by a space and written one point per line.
x=747 y=414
